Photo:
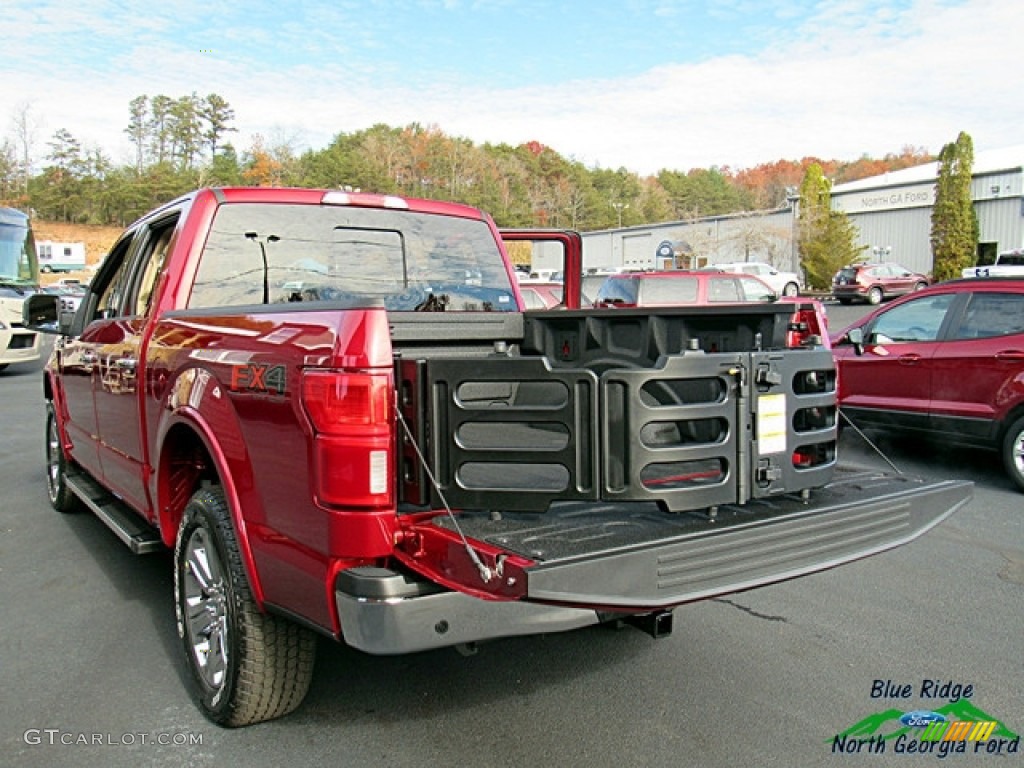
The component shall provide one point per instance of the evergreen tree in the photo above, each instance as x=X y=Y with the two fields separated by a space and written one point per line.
x=826 y=239
x=138 y=130
x=186 y=131
x=216 y=113
x=159 y=127
x=955 y=231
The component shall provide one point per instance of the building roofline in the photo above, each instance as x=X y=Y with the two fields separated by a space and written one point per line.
x=985 y=163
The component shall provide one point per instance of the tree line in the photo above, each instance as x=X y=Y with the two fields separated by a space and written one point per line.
x=183 y=143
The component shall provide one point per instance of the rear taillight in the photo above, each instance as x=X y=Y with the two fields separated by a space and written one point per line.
x=806 y=329
x=352 y=419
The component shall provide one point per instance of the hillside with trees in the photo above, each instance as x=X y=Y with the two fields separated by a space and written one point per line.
x=181 y=143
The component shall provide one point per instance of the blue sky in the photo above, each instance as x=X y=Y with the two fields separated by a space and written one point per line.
x=639 y=84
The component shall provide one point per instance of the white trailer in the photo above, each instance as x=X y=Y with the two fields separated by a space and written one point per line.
x=60 y=257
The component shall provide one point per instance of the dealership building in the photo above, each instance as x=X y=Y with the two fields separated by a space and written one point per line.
x=891 y=213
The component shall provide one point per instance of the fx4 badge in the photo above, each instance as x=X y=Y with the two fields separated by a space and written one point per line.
x=253 y=377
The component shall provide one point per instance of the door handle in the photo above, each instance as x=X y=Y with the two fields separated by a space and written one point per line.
x=1010 y=356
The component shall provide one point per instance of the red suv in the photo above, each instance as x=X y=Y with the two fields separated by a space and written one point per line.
x=945 y=362
x=874 y=282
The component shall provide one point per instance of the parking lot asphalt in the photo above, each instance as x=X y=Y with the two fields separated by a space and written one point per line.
x=91 y=673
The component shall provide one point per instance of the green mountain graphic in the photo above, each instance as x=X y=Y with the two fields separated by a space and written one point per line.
x=878 y=723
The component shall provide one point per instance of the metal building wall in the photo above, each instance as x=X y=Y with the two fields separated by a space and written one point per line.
x=759 y=236
x=1002 y=222
x=903 y=235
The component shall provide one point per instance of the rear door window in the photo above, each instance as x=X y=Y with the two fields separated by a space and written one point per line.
x=992 y=314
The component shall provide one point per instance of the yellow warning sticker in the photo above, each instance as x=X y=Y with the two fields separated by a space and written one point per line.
x=771 y=424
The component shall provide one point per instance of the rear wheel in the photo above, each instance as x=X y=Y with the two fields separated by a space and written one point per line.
x=246 y=666
x=875 y=295
x=61 y=497
x=920 y=286
x=1013 y=452
x=791 y=289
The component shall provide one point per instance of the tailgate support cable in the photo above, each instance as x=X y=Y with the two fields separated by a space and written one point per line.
x=879 y=451
x=486 y=574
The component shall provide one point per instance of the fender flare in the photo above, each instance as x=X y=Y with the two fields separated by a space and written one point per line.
x=195 y=397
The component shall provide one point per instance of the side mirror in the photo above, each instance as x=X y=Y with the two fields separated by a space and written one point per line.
x=856 y=337
x=41 y=312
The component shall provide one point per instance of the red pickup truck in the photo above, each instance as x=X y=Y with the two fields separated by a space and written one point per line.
x=334 y=409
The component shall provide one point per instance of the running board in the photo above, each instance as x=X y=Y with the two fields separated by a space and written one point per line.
x=115 y=514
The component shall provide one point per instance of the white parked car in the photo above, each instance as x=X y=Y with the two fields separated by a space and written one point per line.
x=783 y=283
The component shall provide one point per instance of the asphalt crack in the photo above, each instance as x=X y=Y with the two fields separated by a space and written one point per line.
x=751 y=611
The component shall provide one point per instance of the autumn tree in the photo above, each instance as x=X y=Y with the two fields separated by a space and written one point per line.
x=954 y=236
x=769 y=185
x=826 y=239
x=271 y=166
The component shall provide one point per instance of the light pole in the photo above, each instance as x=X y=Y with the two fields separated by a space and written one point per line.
x=619 y=208
x=881 y=251
x=254 y=236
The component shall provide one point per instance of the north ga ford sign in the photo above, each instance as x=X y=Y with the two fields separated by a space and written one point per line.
x=917 y=196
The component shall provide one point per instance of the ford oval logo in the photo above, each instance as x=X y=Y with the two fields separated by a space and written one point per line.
x=919 y=718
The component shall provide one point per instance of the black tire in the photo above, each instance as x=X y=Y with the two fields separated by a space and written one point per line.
x=1012 y=451
x=875 y=295
x=61 y=497
x=791 y=289
x=920 y=286
x=246 y=666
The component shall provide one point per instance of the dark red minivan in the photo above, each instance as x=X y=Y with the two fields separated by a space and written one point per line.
x=946 y=361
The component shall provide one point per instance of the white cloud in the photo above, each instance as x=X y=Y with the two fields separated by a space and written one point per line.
x=850 y=81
